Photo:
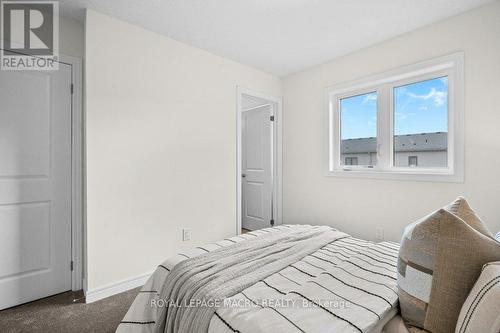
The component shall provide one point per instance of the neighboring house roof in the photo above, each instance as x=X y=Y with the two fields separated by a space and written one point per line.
x=403 y=143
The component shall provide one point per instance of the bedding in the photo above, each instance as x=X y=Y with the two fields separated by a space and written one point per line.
x=334 y=283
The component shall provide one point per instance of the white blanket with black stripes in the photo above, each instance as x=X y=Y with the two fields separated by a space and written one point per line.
x=349 y=285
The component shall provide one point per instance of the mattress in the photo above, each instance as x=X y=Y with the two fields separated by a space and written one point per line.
x=350 y=271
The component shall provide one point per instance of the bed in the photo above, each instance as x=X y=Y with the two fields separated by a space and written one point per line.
x=346 y=284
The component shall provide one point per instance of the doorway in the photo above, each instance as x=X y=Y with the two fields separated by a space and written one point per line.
x=259 y=161
x=40 y=183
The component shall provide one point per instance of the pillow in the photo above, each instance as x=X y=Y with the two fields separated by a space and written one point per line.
x=440 y=258
x=460 y=207
x=481 y=310
x=497 y=236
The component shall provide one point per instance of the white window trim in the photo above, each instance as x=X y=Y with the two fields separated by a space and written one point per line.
x=450 y=65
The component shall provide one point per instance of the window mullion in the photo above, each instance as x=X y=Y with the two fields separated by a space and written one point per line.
x=383 y=128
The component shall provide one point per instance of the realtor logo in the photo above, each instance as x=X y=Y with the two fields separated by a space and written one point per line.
x=29 y=35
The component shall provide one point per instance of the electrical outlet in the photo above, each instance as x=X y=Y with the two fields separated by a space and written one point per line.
x=186 y=234
x=379 y=233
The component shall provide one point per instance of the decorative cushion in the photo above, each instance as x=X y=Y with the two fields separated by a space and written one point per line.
x=460 y=207
x=440 y=259
x=481 y=310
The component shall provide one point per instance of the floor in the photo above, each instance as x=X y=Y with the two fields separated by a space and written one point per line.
x=68 y=312
x=244 y=231
x=60 y=313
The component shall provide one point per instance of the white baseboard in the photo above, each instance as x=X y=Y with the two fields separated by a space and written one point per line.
x=116 y=288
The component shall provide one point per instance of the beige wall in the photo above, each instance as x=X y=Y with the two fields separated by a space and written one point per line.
x=161 y=151
x=358 y=206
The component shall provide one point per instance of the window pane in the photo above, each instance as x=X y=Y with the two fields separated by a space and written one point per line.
x=358 y=130
x=421 y=124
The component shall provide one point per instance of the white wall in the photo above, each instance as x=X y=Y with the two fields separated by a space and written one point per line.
x=161 y=146
x=358 y=206
x=71 y=37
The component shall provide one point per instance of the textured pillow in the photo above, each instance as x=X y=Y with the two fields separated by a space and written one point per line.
x=481 y=310
x=440 y=259
x=460 y=207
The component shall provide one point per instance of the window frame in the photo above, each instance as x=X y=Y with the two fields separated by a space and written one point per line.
x=383 y=84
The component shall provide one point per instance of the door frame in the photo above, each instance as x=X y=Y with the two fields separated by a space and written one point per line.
x=277 y=158
x=77 y=153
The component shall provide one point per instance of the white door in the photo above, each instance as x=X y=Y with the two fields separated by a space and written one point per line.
x=257 y=172
x=35 y=184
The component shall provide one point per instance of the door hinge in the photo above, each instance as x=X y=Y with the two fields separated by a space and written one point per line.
x=271 y=118
x=71 y=264
x=71 y=88
x=272 y=222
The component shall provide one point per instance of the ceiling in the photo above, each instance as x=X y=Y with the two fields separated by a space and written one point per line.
x=277 y=36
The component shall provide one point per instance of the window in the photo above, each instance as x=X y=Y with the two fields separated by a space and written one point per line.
x=403 y=124
x=351 y=161
x=412 y=161
x=421 y=123
x=358 y=128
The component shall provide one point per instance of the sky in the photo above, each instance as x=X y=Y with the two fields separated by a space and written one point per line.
x=420 y=107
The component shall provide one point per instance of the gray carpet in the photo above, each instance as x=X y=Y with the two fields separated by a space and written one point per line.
x=60 y=313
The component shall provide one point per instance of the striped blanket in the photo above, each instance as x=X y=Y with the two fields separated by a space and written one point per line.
x=348 y=285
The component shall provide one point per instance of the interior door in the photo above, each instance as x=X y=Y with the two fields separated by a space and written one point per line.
x=35 y=184
x=257 y=172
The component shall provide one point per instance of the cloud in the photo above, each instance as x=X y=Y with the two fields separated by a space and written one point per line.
x=369 y=98
x=437 y=96
x=423 y=108
x=401 y=115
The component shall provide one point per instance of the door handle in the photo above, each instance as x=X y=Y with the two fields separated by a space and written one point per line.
x=243 y=175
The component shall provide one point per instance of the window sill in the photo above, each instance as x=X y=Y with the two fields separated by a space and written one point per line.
x=406 y=174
